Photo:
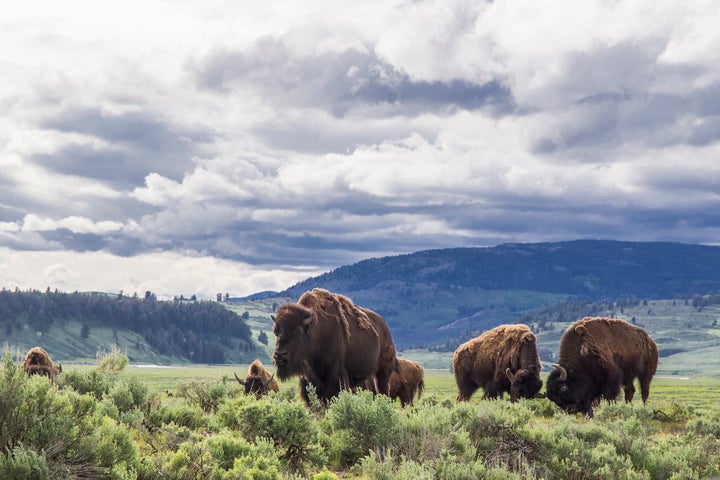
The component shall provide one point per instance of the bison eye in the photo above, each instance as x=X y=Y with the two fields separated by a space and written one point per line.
x=563 y=388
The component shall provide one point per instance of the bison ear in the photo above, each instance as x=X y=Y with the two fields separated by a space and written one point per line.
x=584 y=350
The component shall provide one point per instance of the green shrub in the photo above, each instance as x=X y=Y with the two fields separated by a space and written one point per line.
x=371 y=467
x=325 y=475
x=206 y=395
x=23 y=463
x=288 y=424
x=359 y=423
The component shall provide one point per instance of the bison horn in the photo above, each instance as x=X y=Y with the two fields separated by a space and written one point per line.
x=563 y=372
x=273 y=318
x=308 y=320
x=241 y=382
x=265 y=383
x=510 y=374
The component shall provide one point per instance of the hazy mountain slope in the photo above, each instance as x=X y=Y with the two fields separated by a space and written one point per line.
x=433 y=296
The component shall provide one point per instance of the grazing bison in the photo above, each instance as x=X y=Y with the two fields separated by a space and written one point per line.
x=332 y=344
x=407 y=382
x=38 y=362
x=596 y=357
x=503 y=359
x=258 y=380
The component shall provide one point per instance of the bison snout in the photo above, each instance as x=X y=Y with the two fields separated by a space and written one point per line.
x=280 y=358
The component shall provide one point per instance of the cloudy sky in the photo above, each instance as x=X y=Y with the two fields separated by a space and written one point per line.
x=197 y=147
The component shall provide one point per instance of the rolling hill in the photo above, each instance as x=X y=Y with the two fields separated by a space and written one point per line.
x=437 y=296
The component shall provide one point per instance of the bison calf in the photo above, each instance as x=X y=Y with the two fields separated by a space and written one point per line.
x=597 y=356
x=500 y=360
x=258 y=380
x=38 y=362
x=407 y=382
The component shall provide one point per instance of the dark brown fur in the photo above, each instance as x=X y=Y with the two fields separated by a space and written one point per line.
x=258 y=380
x=332 y=344
x=484 y=362
x=597 y=356
x=407 y=382
x=38 y=362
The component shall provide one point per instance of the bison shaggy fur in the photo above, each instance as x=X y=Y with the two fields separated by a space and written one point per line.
x=258 y=380
x=596 y=357
x=38 y=362
x=332 y=344
x=407 y=382
x=500 y=360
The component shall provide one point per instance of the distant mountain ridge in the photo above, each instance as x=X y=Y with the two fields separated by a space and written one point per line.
x=435 y=295
x=592 y=268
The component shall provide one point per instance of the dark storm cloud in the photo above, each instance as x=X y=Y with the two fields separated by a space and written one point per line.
x=137 y=143
x=78 y=242
x=339 y=82
x=116 y=166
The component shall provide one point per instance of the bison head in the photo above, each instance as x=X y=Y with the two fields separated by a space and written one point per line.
x=524 y=384
x=292 y=345
x=255 y=384
x=569 y=392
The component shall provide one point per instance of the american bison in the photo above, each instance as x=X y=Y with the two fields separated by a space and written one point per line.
x=258 y=380
x=596 y=357
x=332 y=344
x=500 y=360
x=407 y=382
x=38 y=362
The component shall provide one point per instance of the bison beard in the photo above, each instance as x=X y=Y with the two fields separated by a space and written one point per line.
x=596 y=357
x=332 y=344
x=500 y=360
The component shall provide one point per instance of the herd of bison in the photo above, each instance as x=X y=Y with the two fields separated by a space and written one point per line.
x=332 y=345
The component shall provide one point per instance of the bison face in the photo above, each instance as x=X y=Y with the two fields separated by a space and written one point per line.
x=524 y=384
x=255 y=385
x=569 y=392
x=292 y=344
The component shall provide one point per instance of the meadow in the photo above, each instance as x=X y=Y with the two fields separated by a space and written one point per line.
x=120 y=421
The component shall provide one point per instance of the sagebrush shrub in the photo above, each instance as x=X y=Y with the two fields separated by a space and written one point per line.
x=359 y=423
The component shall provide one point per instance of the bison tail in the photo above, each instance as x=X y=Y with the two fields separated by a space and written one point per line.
x=421 y=388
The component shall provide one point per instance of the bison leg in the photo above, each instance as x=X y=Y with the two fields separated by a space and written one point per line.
x=491 y=390
x=645 y=387
x=466 y=388
x=629 y=391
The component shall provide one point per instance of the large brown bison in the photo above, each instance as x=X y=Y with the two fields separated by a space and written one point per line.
x=596 y=357
x=38 y=362
x=332 y=344
x=258 y=380
x=500 y=360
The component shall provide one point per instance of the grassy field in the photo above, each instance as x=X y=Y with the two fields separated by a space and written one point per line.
x=698 y=393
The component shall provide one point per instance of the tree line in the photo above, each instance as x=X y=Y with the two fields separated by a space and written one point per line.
x=200 y=331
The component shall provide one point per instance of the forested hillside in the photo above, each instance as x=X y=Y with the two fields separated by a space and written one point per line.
x=199 y=332
x=588 y=268
x=440 y=297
